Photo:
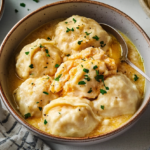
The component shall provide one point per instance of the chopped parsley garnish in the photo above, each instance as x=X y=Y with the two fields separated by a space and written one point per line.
x=79 y=42
x=102 y=107
x=87 y=33
x=45 y=121
x=97 y=72
x=69 y=29
x=102 y=44
x=86 y=70
x=28 y=115
x=102 y=91
x=31 y=66
x=81 y=65
x=32 y=83
x=57 y=78
x=66 y=22
x=22 y=4
x=47 y=55
x=56 y=66
x=47 y=78
x=46 y=50
x=45 y=93
x=84 y=36
x=45 y=67
x=95 y=67
x=16 y=10
x=90 y=90
x=81 y=83
x=68 y=55
x=36 y=1
x=135 y=77
x=74 y=20
x=96 y=37
x=87 y=78
x=40 y=108
x=59 y=113
x=26 y=53
x=48 y=38
x=83 y=59
x=77 y=27
x=41 y=46
x=37 y=102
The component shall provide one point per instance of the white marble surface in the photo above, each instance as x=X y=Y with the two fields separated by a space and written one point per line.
x=136 y=138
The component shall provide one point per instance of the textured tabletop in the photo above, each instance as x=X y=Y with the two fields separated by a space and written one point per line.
x=137 y=137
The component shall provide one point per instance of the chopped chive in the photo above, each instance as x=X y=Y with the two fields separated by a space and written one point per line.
x=96 y=37
x=56 y=66
x=68 y=55
x=87 y=33
x=74 y=20
x=81 y=65
x=27 y=115
x=37 y=102
x=102 y=107
x=22 y=4
x=45 y=93
x=46 y=50
x=36 y=1
x=57 y=78
x=102 y=91
x=69 y=29
x=77 y=27
x=95 y=67
x=45 y=67
x=81 y=83
x=87 y=78
x=90 y=90
x=66 y=22
x=59 y=113
x=31 y=66
x=40 y=108
x=26 y=53
x=48 y=38
x=45 y=121
x=41 y=46
x=47 y=55
x=135 y=77
x=79 y=42
x=16 y=10
x=86 y=70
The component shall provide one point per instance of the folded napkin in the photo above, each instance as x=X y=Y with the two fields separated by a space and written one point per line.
x=14 y=136
x=146 y=6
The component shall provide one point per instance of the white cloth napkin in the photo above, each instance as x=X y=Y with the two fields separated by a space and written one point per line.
x=14 y=136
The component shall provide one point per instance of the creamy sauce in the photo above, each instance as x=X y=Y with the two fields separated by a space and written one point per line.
x=114 y=52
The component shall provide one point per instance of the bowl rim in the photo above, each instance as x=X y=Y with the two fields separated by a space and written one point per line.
x=2 y=8
x=72 y=139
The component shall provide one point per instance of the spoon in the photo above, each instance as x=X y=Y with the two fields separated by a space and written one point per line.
x=124 y=47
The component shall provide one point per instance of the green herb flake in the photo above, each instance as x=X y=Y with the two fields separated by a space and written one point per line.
x=36 y=1
x=81 y=65
x=41 y=46
x=68 y=55
x=32 y=83
x=96 y=37
x=79 y=42
x=84 y=36
x=28 y=9
x=87 y=33
x=45 y=93
x=102 y=44
x=135 y=77
x=46 y=50
x=26 y=53
x=102 y=107
x=102 y=91
x=74 y=20
x=97 y=72
x=90 y=90
x=28 y=115
x=83 y=59
x=45 y=67
x=81 y=83
x=56 y=66
x=59 y=113
x=69 y=29
x=66 y=22
x=45 y=122
x=77 y=27
x=47 y=78
x=40 y=108
x=48 y=38
x=87 y=78
x=16 y=10
x=86 y=70
x=57 y=78
x=31 y=66
x=95 y=67
x=37 y=102
x=47 y=55
x=22 y=4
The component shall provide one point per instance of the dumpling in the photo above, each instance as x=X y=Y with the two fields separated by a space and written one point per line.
x=122 y=98
x=33 y=94
x=37 y=59
x=77 y=33
x=70 y=117
x=79 y=77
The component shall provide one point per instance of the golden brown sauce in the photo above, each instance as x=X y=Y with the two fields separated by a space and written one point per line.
x=114 y=52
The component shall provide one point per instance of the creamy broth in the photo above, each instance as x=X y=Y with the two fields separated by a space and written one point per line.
x=109 y=124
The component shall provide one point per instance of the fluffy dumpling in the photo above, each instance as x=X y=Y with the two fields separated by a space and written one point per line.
x=79 y=77
x=70 y=117
x=77 y=33
x=33 y=94
x=37 y=59
x=122 y=98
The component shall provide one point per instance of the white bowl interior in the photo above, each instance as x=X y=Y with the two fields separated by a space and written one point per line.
x=97 y=12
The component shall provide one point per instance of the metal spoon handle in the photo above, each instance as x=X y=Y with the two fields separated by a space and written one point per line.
x=137 y=69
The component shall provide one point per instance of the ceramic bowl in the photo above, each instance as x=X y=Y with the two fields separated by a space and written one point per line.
x=1 y=8
x=101 y=13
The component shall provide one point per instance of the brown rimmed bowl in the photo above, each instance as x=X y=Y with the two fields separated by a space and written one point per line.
x=101 y=13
